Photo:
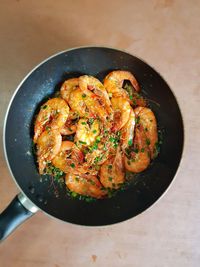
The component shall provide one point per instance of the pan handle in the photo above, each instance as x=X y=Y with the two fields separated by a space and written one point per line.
x=19 y=210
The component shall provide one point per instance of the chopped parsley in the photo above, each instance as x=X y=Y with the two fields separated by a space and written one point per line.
x=112 y=139
x=118 y=134
x=90 y=121
x=148 y=142
x=74 y=194
x=72 y=165
x=57 y=174
x=83 y=123
x=83 y=143
x=92 y=182
x=136 y=150
x=158 y=144
x=97 y=159
x=83 y=95
x=98 y=139
x=137 y=120
x=44 y=107
x=130 y=142
x=94 y=131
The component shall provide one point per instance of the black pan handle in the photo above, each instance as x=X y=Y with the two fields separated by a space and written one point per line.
x=18 y=211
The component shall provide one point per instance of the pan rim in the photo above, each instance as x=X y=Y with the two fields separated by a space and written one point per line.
x=57 y=54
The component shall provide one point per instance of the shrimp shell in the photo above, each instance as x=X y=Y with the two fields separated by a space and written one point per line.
x=87 y=185
x=53 y=114
x=138 y=161
x=122 y=111
x=112 y=172
x=90 y=83
x=77 y=103
x=86 y=134
x=67 y=87
x=127 y=132
x=148 y=121
x=113 y=82
x=59 y=160
x=48 y=146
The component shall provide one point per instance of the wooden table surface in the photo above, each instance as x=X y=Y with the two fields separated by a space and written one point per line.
x=166 y=34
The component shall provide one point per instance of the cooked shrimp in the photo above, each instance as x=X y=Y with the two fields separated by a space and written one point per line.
x=138 y=158
x=90 y=83
x=112 y=130
x=59 y=161
x=94 y=107
x=53 y=115
x=122 y=111
x=67 y=87
x=147 y=119
x=77 y=102
x=86 y=134
x=112 y=172
x=48 y=146
x=114 y=82
x=87 y=185
x=71 y=159
x=68 y=130
x=127 y=132
x=104 y=146
x=97 y=157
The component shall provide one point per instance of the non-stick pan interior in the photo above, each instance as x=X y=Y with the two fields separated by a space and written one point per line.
x=41 y=83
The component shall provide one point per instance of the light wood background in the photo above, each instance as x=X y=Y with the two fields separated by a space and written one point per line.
x=166 y=33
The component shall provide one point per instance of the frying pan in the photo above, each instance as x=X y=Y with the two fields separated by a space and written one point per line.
x=38 y=193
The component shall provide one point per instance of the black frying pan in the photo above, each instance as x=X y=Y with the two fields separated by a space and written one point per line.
x=41 y=83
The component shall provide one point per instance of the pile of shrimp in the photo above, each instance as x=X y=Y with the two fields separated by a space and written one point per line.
x=112 y=129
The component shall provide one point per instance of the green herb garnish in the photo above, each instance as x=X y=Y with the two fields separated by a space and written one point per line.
x=136 y=150
x=98 y=139
x=92 y=182
x=112 y=139
x=137 y=120
x=73 y=194
x=90 y=121
x=130 y=142
x=83 y=143
x=148 y=142
x=77 y=178
x=44 y=107
x=57 y=174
